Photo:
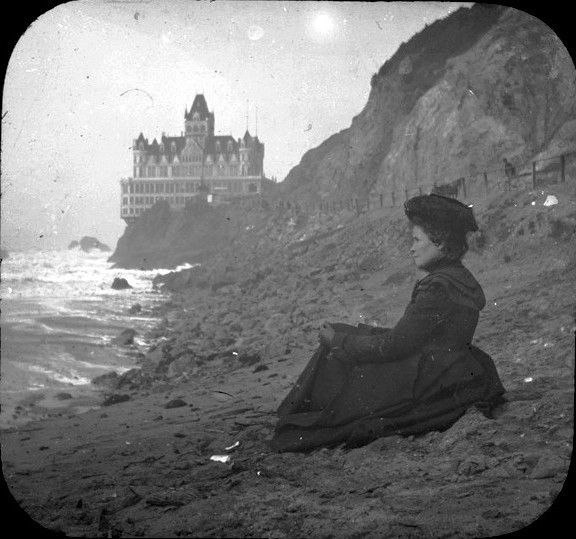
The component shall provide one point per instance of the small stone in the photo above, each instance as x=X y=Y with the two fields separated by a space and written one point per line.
x=115 y=399
x=63 y=396
x=260 y=368
x=175 y=403
x=125 y=338
x=548 y=466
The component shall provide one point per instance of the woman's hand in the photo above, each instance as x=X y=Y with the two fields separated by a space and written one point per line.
x=326 y=335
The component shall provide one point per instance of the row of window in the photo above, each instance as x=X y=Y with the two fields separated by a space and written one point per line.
x=143 y=188
x=232 y=186
x=220 y=169
x=160 y=187
x=148 y=201
x=138 y=211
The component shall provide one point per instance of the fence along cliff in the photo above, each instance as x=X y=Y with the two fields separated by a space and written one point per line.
x=483 y=84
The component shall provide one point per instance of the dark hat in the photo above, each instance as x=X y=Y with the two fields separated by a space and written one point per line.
x=441 y=213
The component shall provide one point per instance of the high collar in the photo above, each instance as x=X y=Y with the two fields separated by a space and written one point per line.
x=442 y=263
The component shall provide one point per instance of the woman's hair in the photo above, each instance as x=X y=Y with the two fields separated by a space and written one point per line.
x=453 y=242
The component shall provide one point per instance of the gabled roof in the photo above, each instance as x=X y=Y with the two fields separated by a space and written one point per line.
x=200 y=106
x=223 y=140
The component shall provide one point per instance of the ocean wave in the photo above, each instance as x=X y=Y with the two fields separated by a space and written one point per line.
x=73 y=378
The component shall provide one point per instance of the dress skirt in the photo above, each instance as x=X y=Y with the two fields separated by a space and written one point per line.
x=335 y=402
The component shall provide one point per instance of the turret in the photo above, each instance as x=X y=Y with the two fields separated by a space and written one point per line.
x=139 y=151
x=199 y=121
x=244 y=152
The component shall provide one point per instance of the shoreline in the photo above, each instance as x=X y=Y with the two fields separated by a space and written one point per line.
x=88 y=355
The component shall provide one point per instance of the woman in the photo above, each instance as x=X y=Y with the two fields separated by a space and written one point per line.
x=363 y=383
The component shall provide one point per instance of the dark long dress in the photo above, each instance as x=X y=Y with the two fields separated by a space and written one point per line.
x=420 y=375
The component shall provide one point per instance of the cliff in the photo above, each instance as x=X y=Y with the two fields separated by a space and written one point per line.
x=483 y=84
x=165 y=238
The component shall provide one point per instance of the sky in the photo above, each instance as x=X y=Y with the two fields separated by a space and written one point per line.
x=87 y=77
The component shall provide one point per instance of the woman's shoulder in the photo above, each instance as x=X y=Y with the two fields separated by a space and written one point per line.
x=457 y=283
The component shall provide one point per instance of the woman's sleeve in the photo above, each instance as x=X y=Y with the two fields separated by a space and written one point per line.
x=428 y=310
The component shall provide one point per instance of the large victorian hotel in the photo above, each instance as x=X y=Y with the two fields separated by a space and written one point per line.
x=177 y=169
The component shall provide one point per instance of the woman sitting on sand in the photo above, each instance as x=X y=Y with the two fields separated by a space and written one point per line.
x=363 y=382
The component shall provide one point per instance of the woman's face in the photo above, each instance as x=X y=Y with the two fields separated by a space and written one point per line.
x=423 y=250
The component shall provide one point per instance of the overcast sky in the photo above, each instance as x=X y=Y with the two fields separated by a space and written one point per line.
x=87 y=77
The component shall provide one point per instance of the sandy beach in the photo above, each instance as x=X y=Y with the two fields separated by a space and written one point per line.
x=143 y=467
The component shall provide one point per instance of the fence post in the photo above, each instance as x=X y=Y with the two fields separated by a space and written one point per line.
x=393 y=199
x=405 y=193
x=381 y=200
x=533 y=174
x=486 y=181
x=563 y=168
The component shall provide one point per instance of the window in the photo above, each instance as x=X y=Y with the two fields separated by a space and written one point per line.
x=125 y=201
x=124 y=189
x=142 y=172
x=131 y=211
x=163 y=172
x=131 y=200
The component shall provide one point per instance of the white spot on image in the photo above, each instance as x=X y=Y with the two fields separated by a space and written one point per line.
x=551 y=200
x=255 y=32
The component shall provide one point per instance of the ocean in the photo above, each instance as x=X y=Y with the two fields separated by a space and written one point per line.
x=58 y=317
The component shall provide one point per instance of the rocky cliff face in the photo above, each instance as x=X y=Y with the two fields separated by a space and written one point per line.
x=163 y=238
x=483 y=84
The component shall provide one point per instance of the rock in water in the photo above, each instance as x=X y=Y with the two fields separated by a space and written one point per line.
x=63 y=396
x=120 y=283
x=88 y=243
x=109 y=379
x=125 y=338
x=135 y=309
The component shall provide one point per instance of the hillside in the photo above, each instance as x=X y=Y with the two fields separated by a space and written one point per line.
x=483 y=84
